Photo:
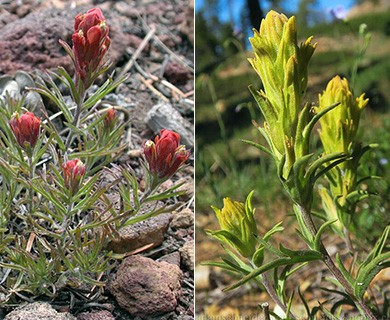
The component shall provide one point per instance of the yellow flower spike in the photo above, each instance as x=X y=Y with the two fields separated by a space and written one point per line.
x=229 y=216
x=339 y=126
x=238 y=227
x=282 y=67
x=338 y=134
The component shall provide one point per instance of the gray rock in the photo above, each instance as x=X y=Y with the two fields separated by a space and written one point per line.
x=150 y=231
x=172 y=258
x=17 y=86
x=96 y=315
x=182 y=219
x=146 y=288
x=37 y=311
x=164 y=116
x=187 y=255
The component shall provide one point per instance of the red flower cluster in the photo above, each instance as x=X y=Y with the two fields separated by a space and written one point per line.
x=73 y=171
x=90 y=42
x=165 y=155
x=25 y=129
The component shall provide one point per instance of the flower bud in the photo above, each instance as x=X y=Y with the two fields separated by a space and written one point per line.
x=73 y=171
x=25 y=129
x=238 y=227
x=109 y=118
x=164 y=155
x=340 y=125
x=338 y=134
x=90 y=42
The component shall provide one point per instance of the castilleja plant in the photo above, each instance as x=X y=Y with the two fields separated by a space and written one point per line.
x=74 y=171
x=90 y=44
x=55 y=219
x=164 y=156
x=282 y=67
x=26 y=130
x=338 y=133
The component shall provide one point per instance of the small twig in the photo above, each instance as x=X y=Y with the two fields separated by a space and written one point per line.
x=188 y=94
x=92 y=305
x=161 y=44
x=136 y=54
x=190 y=202
x=156 y=79
x=164 y=66
x=30 y=242
x=273 y=294
x=265 y=307
x=326 y=258
x=6 y=274
x=190 y=285
x=89 y=295
x=153 y=89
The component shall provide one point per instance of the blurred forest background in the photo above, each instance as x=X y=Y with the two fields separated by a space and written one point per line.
x=227 y=167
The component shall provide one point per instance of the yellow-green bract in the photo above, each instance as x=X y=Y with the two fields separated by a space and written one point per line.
x=282 y=66
x=238 y=227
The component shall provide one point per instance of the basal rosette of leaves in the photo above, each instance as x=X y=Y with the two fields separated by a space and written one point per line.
x=55 y=217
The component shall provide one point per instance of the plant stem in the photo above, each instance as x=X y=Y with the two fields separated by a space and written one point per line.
x=271 y=291
x=360 y=304
x=265 y=307
x=76 y=118
x=65 y=223
x=31 y=190
x=152 y=188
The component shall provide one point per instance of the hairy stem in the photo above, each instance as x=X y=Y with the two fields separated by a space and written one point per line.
x=76 y=119
x=65 y=223
x=264 y=280
x=360 y=304
x=273 y=294
x=31 y=190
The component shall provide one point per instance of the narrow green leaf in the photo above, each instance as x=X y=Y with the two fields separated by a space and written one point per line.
x=323 y=160
x=149 y=215
x=327 y=312
x=317 y=239
x=221 y=265
x=235 y=266
x=305 y=305
x=258 y=146
x=105 y=89
x=274 y=264
x=379 y=245
x=343 y=270
x=276 y=228
x=309 y=127
x=368 y=273
x=304 y=231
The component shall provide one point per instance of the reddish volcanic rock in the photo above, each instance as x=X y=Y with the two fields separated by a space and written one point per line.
x=146 y=288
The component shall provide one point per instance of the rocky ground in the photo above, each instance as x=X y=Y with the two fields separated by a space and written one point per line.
x=153 y=41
